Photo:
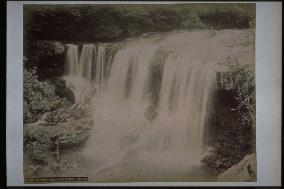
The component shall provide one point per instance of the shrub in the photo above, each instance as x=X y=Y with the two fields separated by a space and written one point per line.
x=242 y=78
x=38 y=97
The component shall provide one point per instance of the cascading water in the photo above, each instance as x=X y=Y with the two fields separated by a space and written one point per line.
x=85 y=62
x=100 y=65
x=153 y=106
x=79 y=69
x=72 y=60
x=173 y=137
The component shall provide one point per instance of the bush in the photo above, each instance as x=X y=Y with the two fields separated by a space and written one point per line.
x=242 y=79
x=38 y=97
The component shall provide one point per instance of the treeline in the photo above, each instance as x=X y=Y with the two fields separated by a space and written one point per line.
x=108 y=23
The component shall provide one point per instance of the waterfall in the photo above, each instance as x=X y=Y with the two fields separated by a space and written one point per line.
x=100 y=64
x=153 y=105
x=79 y=71
x=71 y=60
x=85 y=62
x=174 y=136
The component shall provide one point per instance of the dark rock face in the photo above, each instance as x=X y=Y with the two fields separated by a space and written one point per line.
x=62 y=90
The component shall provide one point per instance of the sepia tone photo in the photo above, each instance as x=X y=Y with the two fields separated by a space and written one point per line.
x=119 y=93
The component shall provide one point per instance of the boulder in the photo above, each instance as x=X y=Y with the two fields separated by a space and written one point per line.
x=244 y=171
x=62 y=90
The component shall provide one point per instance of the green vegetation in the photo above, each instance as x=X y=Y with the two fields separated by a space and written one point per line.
x=102 y=23
x=39 y=97
x=235 y=119
x=42 y=56
x=48 y=122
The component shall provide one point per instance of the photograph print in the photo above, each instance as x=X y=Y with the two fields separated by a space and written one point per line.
x=120 y=93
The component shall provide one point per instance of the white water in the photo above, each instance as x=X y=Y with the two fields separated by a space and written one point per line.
x=174 y=138
x=122 y=133
x=79 y=69
x=100 y=65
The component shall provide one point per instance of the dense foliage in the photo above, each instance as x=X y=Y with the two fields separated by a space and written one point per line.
x=39 y=97
x=103 y=23
x=235 y=120
x=242 y=79
x=42 y=55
